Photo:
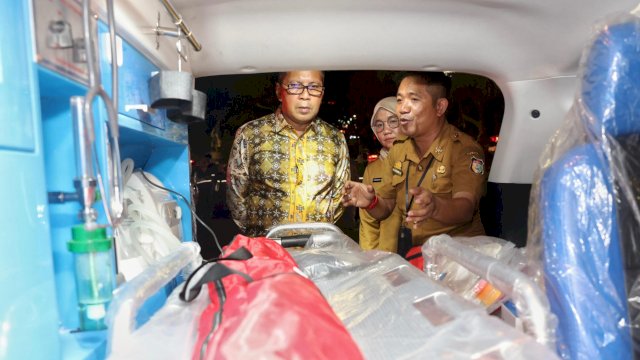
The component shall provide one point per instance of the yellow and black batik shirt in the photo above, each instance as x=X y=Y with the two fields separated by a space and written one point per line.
x=275 y=176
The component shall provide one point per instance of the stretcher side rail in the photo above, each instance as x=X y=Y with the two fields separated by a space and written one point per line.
x=532 y=305
x=301 y=227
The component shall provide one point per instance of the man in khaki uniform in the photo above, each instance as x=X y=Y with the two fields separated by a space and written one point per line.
x=374 y=233
x=441 y=167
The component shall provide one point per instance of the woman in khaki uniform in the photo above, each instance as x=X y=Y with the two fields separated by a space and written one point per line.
x=380 y=234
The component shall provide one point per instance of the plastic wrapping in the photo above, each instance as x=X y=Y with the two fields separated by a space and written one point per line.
x=394 y=311
x=497 y=271
x=170 y=334
x=265 y=309
x=151 y=227
x=129 y=297
x=462 y=281
x=278 y=314
x=584 y=218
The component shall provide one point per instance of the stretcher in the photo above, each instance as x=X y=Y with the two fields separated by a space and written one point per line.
x=390 y=309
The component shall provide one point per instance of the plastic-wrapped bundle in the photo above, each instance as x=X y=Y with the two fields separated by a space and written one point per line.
x=584 y=214
x=465 y=283
x=151 y=227
x=394 y=311
x=532 y=306
x=258 y=305
x=173 y=325
x=170 y=334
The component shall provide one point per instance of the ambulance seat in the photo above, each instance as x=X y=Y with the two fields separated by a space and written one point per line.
x=587 y=236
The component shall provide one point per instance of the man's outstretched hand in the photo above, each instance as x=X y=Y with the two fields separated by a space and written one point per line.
x=357 y=194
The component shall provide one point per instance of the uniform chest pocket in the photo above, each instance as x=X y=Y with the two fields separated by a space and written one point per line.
x=439 y=183
x=399 y=174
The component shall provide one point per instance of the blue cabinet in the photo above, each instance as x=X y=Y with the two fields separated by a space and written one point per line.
x=28 y=307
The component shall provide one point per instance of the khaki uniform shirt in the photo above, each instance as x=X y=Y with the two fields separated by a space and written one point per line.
x=376 y=234
x=458 y=165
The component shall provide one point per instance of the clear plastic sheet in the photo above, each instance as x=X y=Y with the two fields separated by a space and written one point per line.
x=170 y=334
x=465 y=283
x=394 y=311
x=150 y=228
x=122 y=336
x=496 y=263
x=584 y=220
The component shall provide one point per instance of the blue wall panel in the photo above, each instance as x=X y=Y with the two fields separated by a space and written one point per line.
x=28 y=306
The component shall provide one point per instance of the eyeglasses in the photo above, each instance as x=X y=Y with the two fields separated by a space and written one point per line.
x=392 y=122
x=297 y=89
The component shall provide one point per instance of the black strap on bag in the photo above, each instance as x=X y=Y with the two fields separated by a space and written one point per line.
x=215 y=272
x=414 y=256
x=241 y=254
x=405 y=237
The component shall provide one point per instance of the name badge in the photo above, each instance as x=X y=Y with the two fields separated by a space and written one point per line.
x=377 y=180
x=397 y=168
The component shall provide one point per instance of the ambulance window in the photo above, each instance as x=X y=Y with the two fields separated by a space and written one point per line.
x=476 y=107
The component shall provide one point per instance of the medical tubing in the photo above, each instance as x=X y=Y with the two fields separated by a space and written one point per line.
x=162 y=247
x=127 y=243
x=152 y=216
x=126 y=238
x=154 y=222
x=215 y=238
x=533 y=306
x=115 y=182
x=92 y=69
x=102 y=189
x=118 y=183
x=116 y=207
x=114 y=53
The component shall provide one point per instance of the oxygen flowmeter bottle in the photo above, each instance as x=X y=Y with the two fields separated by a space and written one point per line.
x=94 y=274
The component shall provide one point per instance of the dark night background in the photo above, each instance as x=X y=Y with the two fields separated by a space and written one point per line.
x=476 y=107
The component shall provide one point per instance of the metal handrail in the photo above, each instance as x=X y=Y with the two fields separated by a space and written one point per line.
x=177 y=19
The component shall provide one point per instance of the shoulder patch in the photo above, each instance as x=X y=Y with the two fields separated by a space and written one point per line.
x=477 y=165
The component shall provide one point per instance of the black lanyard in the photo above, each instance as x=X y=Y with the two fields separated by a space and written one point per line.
x=408 y=202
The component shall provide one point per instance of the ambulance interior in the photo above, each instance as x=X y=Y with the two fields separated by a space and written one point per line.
x=100 y=247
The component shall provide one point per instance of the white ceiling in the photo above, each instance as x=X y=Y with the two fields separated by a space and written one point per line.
x=505 y=40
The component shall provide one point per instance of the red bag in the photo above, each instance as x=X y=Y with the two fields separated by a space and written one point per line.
x=414 y=256
x=262 y=308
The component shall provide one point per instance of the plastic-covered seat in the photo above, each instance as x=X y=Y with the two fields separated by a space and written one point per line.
x=584 y=218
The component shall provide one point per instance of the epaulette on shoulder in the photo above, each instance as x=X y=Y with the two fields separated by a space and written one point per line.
x=400 y=140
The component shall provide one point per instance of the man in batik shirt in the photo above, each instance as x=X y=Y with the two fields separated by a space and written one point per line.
x=289 y=166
